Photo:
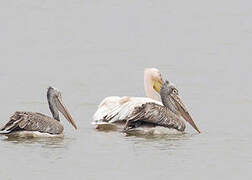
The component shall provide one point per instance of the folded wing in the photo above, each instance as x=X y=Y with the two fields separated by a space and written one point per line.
x=114 y=109
x=29 y=121
x=155 y=114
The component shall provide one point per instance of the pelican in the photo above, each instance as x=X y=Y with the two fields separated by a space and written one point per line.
x=115 y=109
x=168 y=115
x=32 y=124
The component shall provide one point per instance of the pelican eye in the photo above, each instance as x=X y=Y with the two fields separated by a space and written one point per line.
x=175 y=91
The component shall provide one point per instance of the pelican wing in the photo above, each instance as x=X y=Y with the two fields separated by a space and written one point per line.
x=114 y=109
x=105 y=107
x=155 y=114
x=29 y=121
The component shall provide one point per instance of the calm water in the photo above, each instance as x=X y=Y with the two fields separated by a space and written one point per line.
x=93 y=49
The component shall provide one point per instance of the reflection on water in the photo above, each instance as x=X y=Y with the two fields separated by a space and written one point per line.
x=165 y=142
x=157 y=137
x=93 y=49
x=54 y=142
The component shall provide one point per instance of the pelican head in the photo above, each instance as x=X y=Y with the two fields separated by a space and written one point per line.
x=171 y=99
x=56 y=104
x=153 y=81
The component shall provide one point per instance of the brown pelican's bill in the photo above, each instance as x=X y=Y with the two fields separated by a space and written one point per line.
x=62 y=108
x=183 y=111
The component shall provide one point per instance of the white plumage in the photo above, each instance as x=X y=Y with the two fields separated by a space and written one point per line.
x=34 y=134
x=115 y=109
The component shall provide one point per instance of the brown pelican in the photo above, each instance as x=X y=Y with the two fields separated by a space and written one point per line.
x=31 y=124
x=114 y=108
x=168 y=115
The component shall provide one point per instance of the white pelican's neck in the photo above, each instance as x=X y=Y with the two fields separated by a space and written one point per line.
x=148 y=85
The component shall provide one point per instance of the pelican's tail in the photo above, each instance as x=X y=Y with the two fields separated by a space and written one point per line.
x=13 y=123
x=104 y=108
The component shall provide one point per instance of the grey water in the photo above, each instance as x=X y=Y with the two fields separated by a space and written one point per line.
x=93 y=49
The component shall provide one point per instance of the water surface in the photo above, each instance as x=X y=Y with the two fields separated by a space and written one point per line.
x=93 y=49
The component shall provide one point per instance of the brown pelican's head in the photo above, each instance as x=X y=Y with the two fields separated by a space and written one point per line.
x=155 y=77
x=56 y=104
x=171 y=99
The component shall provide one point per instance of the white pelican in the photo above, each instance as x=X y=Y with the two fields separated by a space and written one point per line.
x=31 y=124
x=115 y=109
x=168 y=115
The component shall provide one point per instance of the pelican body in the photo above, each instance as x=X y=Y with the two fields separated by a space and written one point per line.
x=148 y=112
x=112 y=110
x=32 y=124
x=168 y=115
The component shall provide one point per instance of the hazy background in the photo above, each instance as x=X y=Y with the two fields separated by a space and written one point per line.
x=93 y=49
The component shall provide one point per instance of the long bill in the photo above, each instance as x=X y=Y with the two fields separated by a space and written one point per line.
x=183 y=111
x=62 y=108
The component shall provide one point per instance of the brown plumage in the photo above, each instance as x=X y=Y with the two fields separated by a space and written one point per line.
x=154 y=114
x=30 y=121
x=30 y=124
x=168 y=115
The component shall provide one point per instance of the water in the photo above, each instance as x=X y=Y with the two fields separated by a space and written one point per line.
x=93 y=49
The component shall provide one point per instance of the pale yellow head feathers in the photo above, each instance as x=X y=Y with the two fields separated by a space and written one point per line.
x=156 y=78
